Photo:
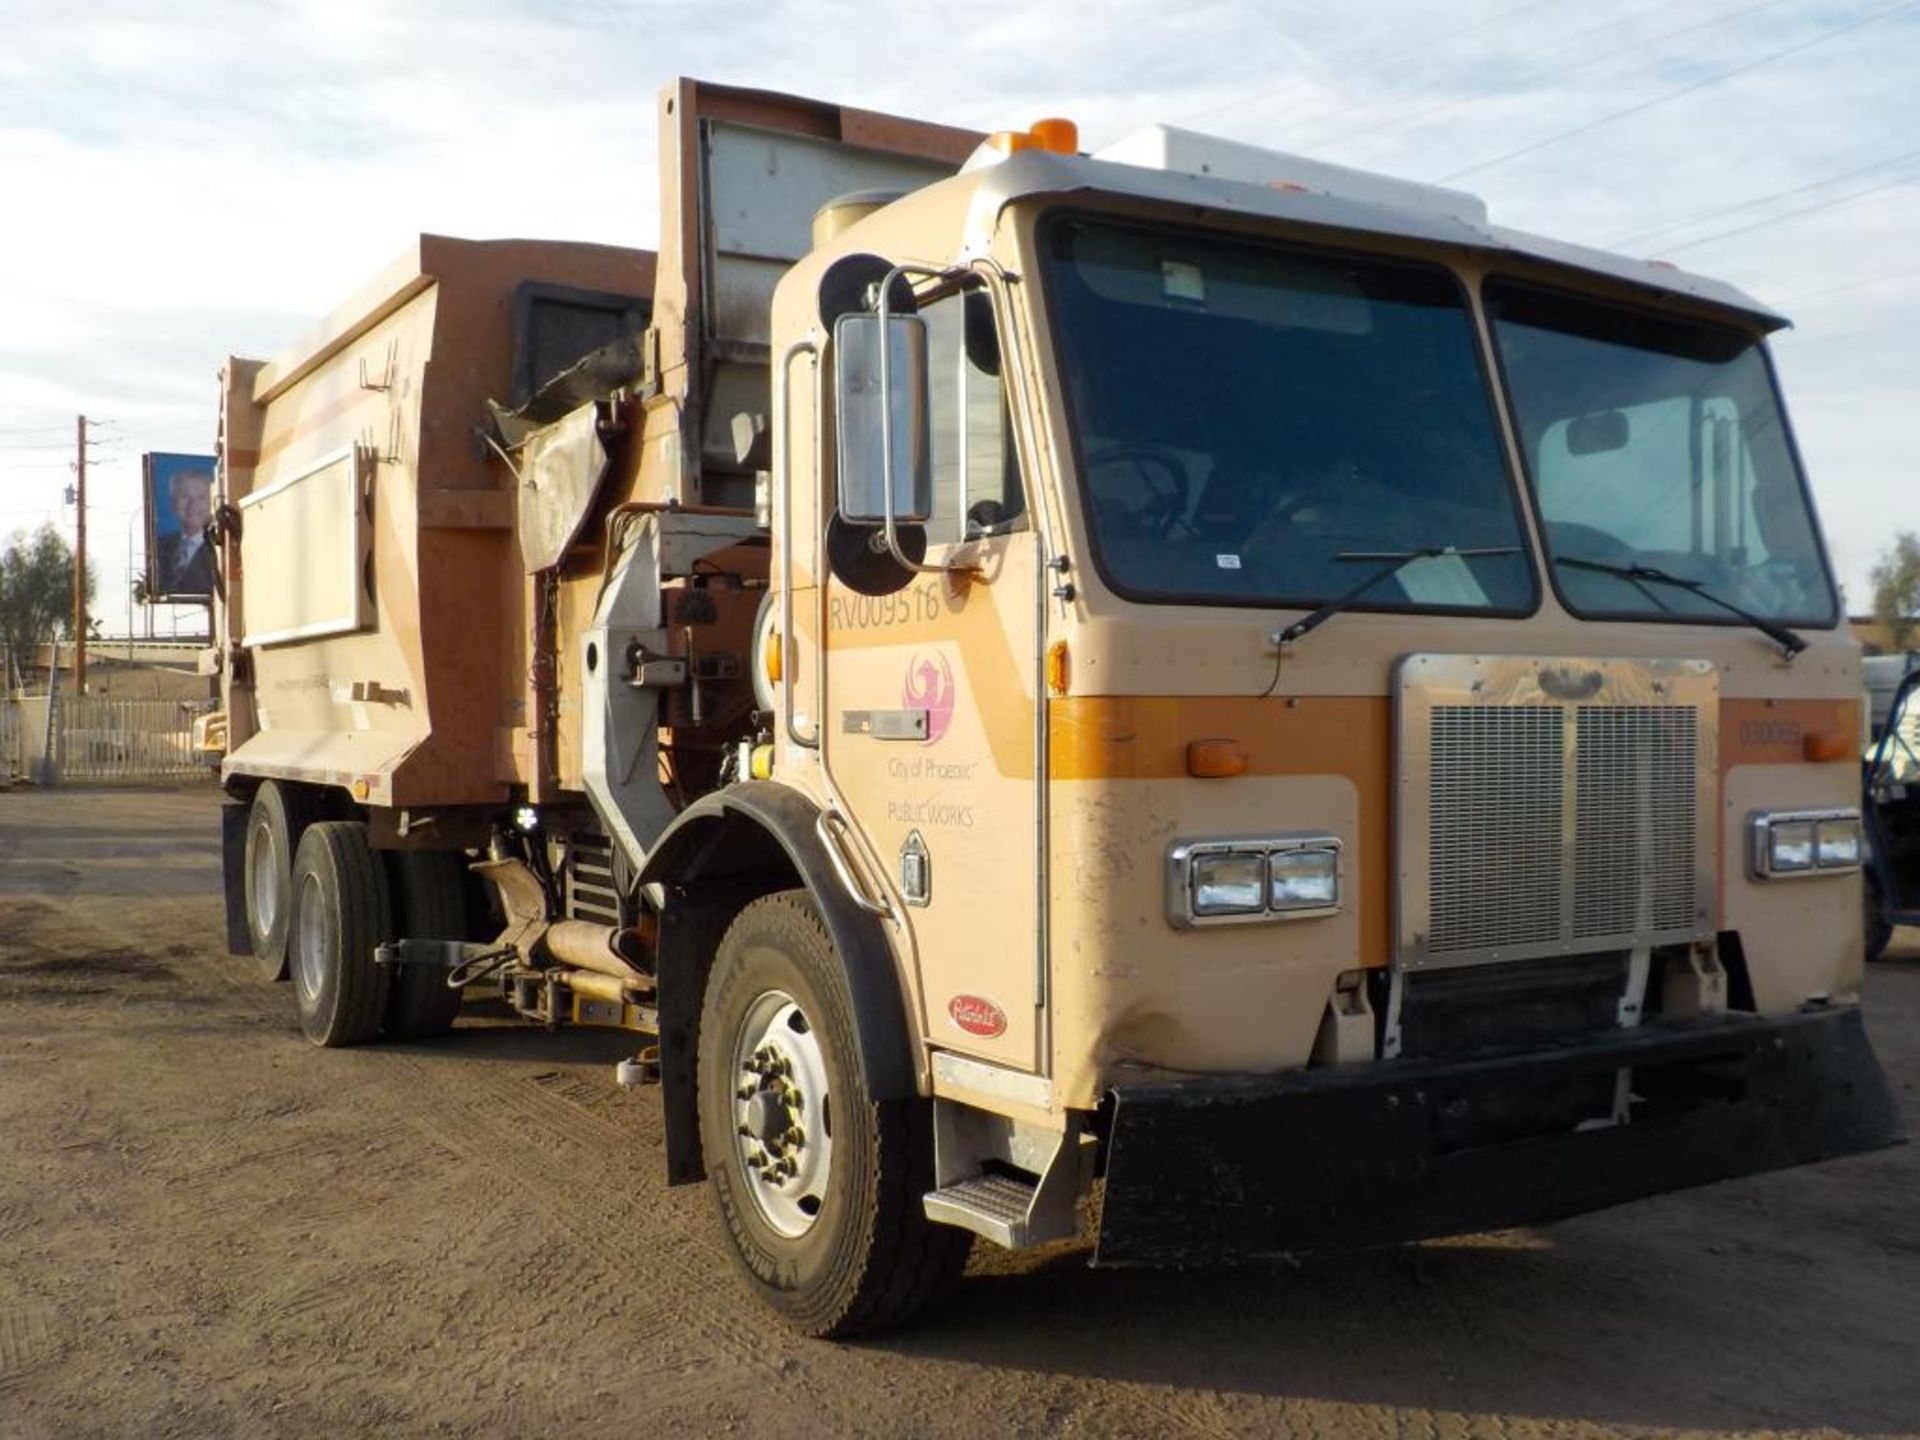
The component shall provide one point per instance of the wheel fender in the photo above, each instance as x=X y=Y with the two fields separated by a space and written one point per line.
x=722 y=851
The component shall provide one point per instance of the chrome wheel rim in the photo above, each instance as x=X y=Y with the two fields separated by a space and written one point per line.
x=267 y=880
x=783 y=1113
x=310 y=939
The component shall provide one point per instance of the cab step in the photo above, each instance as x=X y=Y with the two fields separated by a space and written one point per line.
x=998 y=1207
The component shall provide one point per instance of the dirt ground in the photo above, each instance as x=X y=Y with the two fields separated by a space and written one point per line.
x=210 y=1228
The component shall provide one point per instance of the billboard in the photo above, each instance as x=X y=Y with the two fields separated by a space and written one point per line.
x=179 y=494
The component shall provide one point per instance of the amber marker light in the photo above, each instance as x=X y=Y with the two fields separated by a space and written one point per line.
x=1823 y=746
x=1011 y=142
x=774 y=661
x=1056 y=136
x=1216 y=759
x=1057 y=667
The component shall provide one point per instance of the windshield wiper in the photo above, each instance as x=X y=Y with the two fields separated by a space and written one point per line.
x=1789 y=643
x=1396 y=561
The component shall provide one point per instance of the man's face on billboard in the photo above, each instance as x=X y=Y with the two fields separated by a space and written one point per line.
x=193 y=501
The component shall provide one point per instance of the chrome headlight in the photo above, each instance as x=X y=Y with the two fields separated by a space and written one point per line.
x=1788 y=843
x=1837 y=843
x=1229 y=882
x=1285 y=877
x=1304 y=879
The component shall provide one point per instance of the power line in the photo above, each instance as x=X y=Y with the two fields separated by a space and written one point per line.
x=1800 y=341
x=1684 y=90
x=1849 y=285
x=1421 y=47
x=99 y=447
x=1400 y=122
x=1871 y=190
x=1636 y=236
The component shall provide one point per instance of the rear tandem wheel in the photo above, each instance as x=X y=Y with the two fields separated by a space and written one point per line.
x=280 y=814
x=341 y=914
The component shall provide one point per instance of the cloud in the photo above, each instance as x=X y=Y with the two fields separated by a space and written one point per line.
x=209 y=178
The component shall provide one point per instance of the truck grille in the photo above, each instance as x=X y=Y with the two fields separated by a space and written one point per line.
x=1634 y=834
x=1551 y=825
x=1497 y=802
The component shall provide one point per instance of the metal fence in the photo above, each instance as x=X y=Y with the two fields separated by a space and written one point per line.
x=101 y=738
x=11 y=756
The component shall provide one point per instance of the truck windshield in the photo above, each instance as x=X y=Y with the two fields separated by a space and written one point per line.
x=1658 y=442
x=1246 y=416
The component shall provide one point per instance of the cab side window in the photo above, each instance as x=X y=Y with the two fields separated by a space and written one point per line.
x=976 y=477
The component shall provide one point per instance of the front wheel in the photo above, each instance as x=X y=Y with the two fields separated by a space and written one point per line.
x=817 y=1186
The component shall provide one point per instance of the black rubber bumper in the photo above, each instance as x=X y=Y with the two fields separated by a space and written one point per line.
x=1255 y=1168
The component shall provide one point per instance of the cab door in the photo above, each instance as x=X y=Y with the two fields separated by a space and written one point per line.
x=927 y=726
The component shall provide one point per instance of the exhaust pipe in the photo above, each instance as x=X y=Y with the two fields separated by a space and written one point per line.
x=603 y=949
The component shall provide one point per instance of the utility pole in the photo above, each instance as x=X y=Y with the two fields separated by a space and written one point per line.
x=80 y=561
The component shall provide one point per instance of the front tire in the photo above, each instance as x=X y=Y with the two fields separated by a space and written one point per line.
x=280 y=814
x=817 y=1186
x=341 y=914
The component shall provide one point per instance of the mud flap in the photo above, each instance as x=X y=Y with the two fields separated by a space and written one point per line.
x=233 y=873
x=1274 y=1167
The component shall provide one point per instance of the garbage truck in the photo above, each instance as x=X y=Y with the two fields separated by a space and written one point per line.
x=1181 y=695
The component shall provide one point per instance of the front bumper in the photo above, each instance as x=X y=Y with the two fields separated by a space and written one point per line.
x=1251 y=1168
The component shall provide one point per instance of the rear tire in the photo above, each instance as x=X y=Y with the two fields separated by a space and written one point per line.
x=839 y=1245
x=341 y=913
x=429 y=892
x=280 y=814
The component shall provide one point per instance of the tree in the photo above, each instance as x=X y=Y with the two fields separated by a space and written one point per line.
x=1896 y=589
x=36 y=590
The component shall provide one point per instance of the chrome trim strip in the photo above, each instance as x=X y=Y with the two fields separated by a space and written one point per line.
x=952 y=1072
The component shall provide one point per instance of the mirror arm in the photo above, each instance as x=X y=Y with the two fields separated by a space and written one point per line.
x=889 y=525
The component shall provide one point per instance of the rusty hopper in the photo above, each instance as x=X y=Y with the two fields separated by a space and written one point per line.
x=386 y=650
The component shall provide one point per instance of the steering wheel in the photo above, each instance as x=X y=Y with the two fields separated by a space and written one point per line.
x=1160 y=470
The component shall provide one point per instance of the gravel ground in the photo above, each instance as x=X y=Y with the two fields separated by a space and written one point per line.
x=210 y=1228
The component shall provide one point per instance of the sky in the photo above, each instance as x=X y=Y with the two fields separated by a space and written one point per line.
x=180 y=181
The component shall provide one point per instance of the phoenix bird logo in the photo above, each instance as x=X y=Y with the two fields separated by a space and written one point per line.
x=929 y=687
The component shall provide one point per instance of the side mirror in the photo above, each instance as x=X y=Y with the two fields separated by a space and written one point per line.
x=1598 y=433
x=861 y=405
